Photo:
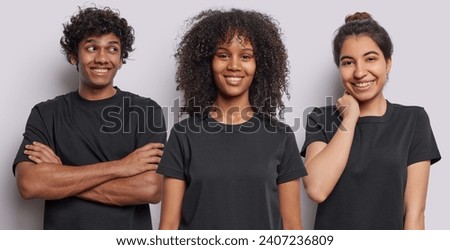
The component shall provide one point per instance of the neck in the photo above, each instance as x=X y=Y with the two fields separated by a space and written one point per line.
x=231 y=112
x=374 y=107
x=93 y=94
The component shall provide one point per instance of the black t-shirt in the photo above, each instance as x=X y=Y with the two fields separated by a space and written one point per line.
x=83 y=132
x=369 y=194
x=231 y=172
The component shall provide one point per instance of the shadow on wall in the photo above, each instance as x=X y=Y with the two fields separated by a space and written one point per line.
x=68 y=79
x=336 y=90
x=329 y=93
x=29 y=213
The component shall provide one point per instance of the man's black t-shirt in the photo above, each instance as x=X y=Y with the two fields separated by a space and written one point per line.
x=83 y=132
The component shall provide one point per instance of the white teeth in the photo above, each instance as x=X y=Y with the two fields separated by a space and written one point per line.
x=100 y=70
x=363 y=84
x=234 y=79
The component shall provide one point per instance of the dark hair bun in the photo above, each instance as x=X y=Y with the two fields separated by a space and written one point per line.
x=358 y=16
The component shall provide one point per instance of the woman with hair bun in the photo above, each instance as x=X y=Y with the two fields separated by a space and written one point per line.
x=368 y=160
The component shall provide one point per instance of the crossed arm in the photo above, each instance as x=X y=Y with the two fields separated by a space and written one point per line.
x=128 y=181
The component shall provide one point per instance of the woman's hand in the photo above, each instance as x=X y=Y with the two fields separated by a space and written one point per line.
x=348 y=108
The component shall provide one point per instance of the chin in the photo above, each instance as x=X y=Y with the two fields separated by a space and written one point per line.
x=100 y=85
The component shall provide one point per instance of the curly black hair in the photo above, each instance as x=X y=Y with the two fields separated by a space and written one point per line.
x=197 y=47
x=94 y=21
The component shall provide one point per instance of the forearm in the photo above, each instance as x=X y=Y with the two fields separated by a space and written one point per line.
x=290 y=209
x=139 y=189
x=54 y=181
x=47 y=178
x=416 y=195
x=414 y=220
x=325 y=166
x=171 y=205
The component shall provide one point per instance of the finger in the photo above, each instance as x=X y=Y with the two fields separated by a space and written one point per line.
x=37 y=148
x=35 y=156
x=153 y=167
x=45 y=148
x=42 y=156
x=152 y=145
x=153 y=160
x=156 y=152
x=34 y=159
x=150 y=153
x=339 y=102
x=40 y=152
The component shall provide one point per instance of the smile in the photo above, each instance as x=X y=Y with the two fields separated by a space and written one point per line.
x=99 y=70
x=233 y=79
x=363 y=84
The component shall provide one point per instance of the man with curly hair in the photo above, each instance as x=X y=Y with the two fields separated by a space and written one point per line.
x=83 y=152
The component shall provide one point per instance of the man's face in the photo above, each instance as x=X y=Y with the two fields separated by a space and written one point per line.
x=99 y=59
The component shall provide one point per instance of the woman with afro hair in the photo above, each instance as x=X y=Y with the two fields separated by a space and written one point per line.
x=231 y=164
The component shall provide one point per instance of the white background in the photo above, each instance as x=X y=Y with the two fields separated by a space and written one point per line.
x=33 y=70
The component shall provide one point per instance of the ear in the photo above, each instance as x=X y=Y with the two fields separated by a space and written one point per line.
x=388 y=65
x=120 y=64
x=73 y=60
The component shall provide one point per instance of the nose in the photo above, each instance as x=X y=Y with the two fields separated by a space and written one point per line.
x=101 y=56
x=360 y=70
x=234 y=64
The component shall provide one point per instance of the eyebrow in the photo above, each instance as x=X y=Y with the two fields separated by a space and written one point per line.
x=225 y=48
x=91 y=40
x=365 y=54
x=371 y=52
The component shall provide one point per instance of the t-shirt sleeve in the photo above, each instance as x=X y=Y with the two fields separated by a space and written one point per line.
x=314 y=129
x=172 y=162
x=35 y=130
x=423 y=146
x=156 y=126
x=291 y=166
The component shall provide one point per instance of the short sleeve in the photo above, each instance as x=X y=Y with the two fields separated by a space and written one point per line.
x=423 y=146
x=291 y=166
x=156 y=126
x=314 y=129
x=172 y=163
x=35 y=130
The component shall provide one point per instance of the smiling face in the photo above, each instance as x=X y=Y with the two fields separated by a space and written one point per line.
x=363 y=69
x=99 y=59
x=234 y=67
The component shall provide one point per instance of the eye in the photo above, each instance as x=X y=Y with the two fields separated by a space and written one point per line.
x=113 y=49
x=346 y=63
x=90 y=48
x=247 y=57
x=222 y=56
x=372 y=59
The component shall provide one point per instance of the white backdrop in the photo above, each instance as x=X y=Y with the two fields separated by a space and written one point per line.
x=33 y=70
